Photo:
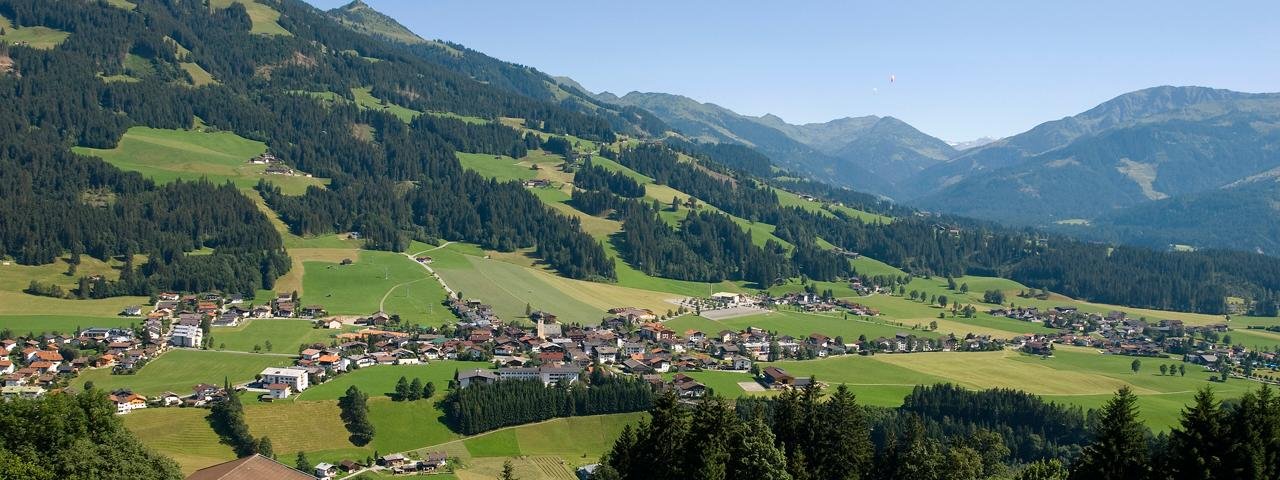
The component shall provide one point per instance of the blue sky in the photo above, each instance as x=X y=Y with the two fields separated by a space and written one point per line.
x=963 y=69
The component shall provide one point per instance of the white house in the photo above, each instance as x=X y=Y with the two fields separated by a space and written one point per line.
x=325 y=471
x=278 y=391
x=295 y=378
x=187 y=336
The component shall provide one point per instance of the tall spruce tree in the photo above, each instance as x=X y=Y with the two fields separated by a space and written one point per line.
x=1119 y=447
x=842 y=448
x=1200 y=442
x=753 y=454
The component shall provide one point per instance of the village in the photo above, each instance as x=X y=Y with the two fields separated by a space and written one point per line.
x=626 y=341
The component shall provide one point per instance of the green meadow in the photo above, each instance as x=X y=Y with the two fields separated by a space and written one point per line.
x=179 y=370
x=182 y=434
x=365 y=99
x=168 y=155
x=376 y=281
x=43 y=38
x=380 y=380
x=65 y=324
x=284 y=335
x=265 y=19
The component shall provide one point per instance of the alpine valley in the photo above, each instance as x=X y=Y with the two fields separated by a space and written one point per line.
x=258 y=239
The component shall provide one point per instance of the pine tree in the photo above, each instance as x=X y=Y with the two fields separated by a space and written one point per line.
x=843 y=447
x=1201 y=440
x=754 y=455
x=415 y=389
x=1119 y=447
x=402 y=389
x=302 y=463
x=712 y=424
x=263 y=447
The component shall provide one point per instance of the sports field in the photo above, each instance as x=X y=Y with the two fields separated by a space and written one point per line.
x=166 y=155
x=179 y=370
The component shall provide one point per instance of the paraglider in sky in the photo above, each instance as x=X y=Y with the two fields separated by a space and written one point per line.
x=892 y=77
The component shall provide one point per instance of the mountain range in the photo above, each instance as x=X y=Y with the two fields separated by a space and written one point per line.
x=1123 y=171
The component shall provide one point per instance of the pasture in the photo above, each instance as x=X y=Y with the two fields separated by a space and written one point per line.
x=376 y=280
x=365 y=99
x=284 y=335
x=265 y=19
x=66 y=324
x=165 y=156
x=182 y=434
x=38 y=37
x=509 y=287
x=179 y=370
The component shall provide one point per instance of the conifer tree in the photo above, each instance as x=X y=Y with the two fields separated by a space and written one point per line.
x=1119 y=447
x=1200 y=441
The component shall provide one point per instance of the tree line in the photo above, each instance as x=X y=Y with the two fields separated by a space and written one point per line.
x=943 y=432
x=482 y=407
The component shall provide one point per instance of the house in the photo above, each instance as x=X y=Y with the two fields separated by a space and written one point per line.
x=169 y=399
x=21 y=391
x=6 y=366
x=586 y=472
x=190 y=336
x=278 y=391
x=325 y=471
x=393 y=460
x=310 y=354
x=332 y=324
x=476 y=376
x=313 y=311
x=739 y=362
x=295 y=378
x=131 y=311
x=127 y=401
x=250 y=468
x=774 y=376
x=435 y=461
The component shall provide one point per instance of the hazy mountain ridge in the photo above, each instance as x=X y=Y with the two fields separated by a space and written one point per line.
x=1148 y=145
x=870 y=153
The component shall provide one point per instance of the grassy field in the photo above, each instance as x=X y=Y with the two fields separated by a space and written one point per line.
x=39 y=37
x=265 y=19
x=182 y=434
x=167 y=155
x=376 y=279
x=365 y=99
x=548 y=450
x=179 y=370
x=498 y=167
x=199 y=76
x=1072 y=376
x=285 y=335
x=22 y=324
x=509 y=287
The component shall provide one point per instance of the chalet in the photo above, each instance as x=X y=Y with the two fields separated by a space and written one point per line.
x=126 y=401
x=777 y=377
x=393 y=460
x=228 y=319
x=434 y=461
x=476 y=376
x=313 y=311
x=131 y=311
x=169 y=399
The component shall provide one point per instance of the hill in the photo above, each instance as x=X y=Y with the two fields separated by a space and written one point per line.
x=1243 y=215
x=885 y=146
x=707 y=122
x=360 y=17
x=1147 y=145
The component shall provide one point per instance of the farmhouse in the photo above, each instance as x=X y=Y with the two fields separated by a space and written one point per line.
x=778 y=377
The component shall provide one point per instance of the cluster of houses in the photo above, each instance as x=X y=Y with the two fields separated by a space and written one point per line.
x=1116 y=333
x=29 y=367
x=275 y=166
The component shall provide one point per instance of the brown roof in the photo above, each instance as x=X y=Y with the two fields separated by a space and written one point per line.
x=255 y=467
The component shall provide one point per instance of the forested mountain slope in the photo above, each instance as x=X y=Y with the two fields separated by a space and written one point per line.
x=1147 y=145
